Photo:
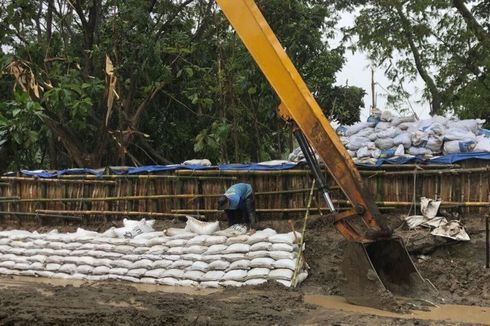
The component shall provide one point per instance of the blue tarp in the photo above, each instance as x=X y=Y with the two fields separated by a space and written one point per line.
x=447 y=159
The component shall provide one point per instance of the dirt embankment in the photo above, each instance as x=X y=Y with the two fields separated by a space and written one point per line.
x=455 y=269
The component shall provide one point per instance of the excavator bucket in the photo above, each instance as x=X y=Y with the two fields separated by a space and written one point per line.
x=381 y=275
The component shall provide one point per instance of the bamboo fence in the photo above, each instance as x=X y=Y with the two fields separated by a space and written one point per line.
x=279 y=194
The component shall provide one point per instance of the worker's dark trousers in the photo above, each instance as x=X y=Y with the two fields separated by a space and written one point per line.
x=243 y=215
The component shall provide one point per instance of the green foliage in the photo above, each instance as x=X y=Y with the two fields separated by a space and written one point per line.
x=183 y=78
x=433 y=40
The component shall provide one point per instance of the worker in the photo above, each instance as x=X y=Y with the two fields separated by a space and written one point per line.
x=239 y=205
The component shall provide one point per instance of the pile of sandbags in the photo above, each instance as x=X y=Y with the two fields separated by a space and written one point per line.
x=385 y=135
x=175 y=257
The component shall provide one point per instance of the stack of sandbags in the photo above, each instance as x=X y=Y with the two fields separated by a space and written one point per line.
x=182 y=258
x=385 y=135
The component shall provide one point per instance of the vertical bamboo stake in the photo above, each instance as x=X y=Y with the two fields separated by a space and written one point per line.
x=299 y=260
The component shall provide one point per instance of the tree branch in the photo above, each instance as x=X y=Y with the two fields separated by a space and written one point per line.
x=473 y=25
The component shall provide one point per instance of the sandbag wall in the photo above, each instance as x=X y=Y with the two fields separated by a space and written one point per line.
x=280 y=194
x=185 y=259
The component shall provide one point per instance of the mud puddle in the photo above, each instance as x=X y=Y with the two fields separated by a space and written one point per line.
x=446 y=312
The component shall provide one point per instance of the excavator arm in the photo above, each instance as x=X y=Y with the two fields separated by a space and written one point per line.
x=300 y=107
x=372 y=252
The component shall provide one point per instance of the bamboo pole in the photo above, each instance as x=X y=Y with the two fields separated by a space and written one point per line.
x=448 y=171
x=6 y=184
x=255 y=172
x=259 y=210
x=299 y=260
x=148 y=197
x=115 y=213
x=144 y=176
x=40 y=215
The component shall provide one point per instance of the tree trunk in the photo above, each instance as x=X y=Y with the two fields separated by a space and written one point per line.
x=436 y=96
x=473 y=25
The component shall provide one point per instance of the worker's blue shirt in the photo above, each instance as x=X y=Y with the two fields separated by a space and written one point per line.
x=237 y=193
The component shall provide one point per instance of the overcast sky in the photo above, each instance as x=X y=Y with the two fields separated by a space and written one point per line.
x=357 y=72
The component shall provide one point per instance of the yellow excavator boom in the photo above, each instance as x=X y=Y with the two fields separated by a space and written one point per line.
x=373 y=252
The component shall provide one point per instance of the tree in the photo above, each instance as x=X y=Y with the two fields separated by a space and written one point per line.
x=443 y=42
x=138 y=81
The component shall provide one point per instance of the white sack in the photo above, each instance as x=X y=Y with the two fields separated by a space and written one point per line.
x=200 y=227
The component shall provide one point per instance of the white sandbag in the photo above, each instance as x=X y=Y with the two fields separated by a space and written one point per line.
x=55 y=259
x=262 y=262
x=181 y=264
x=141 y=250
x=187 y=283
x=157 y=250
x=213 y=276
x=403 y=139
x=133 y=258
x=171 y=257
x=471 y=125
x=482 y=145
x=101 y=270
x=234 y=230
x=240 y=264
x=357 y=142
x=7 y=264
x=118 y=271
x=219 y=265
x=174 y=273
x=124 y=249
x=285 y=263
x=175 y=251
x=363 y=152
x=230 y=283
x=209 y=284
x=235 y=275
x=86 y=233
x=255 y=281
x=384 y=143
x=139 y=272
x=288 y=238
x=434 y=143
x=391 y=132
x=285 y=283
x=256 y=273
x=155 y=273
x=193 y=275
x=281 y=274
x=202 y=162
x=37 y=266
x=172 y=232
x=170 y=281
x=199 y=227
x=351 y=153
x=237 y=239
x=158 y=241
x=21 y=266
x=233 y=257
x=237 y=248
x=215 y=240
x=261 y=246
x=24 y=244
x=429 y=207
x=52 y=267
x=277 y=255
x=301 y=277
x=199 y=266
x=194 y=250
x=282 y=247
x=148 y=280
x=419 y=151
x=122 y=263
x=68 y=268
x=355 y=128
x=258 y=254
x=459 y=134
x=455 y=146
x=150 y=235
x=4 y=241
x=193 y=257
x=199 y=240
x=400 y=150
x=84 y=269
x=176 y=243
x=162 y=263
x=142 y=263
x=259 y=236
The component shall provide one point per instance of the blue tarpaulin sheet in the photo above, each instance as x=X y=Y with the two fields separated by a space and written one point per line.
x=148 y=169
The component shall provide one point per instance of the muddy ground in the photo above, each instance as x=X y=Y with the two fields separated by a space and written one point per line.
x=455 y=269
